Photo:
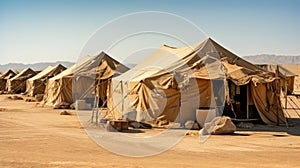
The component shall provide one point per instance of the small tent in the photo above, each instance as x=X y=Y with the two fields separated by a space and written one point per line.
x=287 y=78
x=17 y=84
x=4 y=77
x=36 y=84
x=78 y=81
x=94 y=83
x=173 y=82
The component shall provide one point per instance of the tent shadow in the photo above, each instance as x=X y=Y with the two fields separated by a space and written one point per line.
x=293 y=128
x=240 y=134
x=234 y=134
x=132 y=131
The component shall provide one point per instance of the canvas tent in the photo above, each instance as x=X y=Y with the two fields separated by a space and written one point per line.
x=78 y=81
x=17 y=84
x=36 y=84
x=287 y=78
x=173 y=82
x=94 y=82
x=4 y=77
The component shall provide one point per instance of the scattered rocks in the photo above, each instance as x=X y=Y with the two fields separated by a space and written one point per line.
x=65 y=113
x=247 y=125
x=192 y=125
x=62 y=105
x=39 y=97
x=2 y=109
x=136 y=124
x=15 y=97
x=30 y=100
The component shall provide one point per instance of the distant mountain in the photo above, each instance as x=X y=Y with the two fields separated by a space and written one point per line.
x=35 y=66
x=272 y=59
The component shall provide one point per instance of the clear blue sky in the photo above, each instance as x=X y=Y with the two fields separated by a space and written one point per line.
x=38 y=31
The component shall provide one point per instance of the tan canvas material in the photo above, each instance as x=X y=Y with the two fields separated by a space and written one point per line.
x=166 y=84
x=37 y=84
x=17 y=84
x=79 y=80
x=4 y=77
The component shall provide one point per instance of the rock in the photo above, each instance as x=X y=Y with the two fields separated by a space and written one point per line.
x=136 y=124
x=72 y=106
x=30 y=100
x=39 y=97
x=56 y=106
x=247 y=125
x=219 y=126
x=65 y=113
x=193 y=125
x=15 y=98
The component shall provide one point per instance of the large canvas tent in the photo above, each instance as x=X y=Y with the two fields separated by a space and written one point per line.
x=36 y=84
x=173 y=82
x=287 y=78
x=4 y=77
x=78 y=81
x=17 y=84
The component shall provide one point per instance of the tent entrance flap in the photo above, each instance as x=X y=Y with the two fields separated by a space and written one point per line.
x=242 y=102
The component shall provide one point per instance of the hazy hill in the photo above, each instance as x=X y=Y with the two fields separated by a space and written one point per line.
x=35 y=66
x=273 y=59
x=256 y=59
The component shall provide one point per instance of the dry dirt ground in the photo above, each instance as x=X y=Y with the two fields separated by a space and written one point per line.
x=34 y=136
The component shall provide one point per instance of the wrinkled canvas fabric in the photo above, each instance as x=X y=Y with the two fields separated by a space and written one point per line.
x=18 y=82
x=81 y=79
x=37 y=84
x=173 y=82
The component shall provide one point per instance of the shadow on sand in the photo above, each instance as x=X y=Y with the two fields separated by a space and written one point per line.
x=293 y=128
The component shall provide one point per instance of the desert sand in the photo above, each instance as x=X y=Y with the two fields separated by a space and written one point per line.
x=36 y=136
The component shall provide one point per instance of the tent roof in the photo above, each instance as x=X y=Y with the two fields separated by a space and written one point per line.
x=24 y=73
x=8 y=74
x=207 y=60
x=47 y=72
x=42 y=73
x=283 y=72
x=89 y=66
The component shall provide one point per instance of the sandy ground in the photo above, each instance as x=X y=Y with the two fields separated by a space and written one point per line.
x=34 y=136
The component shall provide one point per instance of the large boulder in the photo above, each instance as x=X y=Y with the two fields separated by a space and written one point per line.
x=219 y=126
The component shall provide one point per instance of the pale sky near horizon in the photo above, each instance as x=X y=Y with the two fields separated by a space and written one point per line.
x=39 y=31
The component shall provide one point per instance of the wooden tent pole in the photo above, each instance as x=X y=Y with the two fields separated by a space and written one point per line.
x=277 y=85
x=285 y=88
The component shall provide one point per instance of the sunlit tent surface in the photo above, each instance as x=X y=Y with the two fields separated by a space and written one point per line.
x=4 y=77
x=287 y=78
x=17 y=84
x=36 y=84
x=80 y=79
x=173 y=82
x=91 y=83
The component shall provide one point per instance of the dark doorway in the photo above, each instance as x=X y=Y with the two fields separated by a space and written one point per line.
x=239 y=96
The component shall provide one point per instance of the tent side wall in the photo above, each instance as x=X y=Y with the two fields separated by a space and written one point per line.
x=58 y=91
x=268 y=103
x=16 y=86
x=2 y=84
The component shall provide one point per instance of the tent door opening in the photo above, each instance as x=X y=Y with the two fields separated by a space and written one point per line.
x=240 y=100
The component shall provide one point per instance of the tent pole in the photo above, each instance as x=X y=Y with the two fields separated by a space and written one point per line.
x=122 y=99
x=277 y=85
x=285 y=88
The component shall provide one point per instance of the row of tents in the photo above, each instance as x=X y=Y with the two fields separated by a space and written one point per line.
x=170 y=84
